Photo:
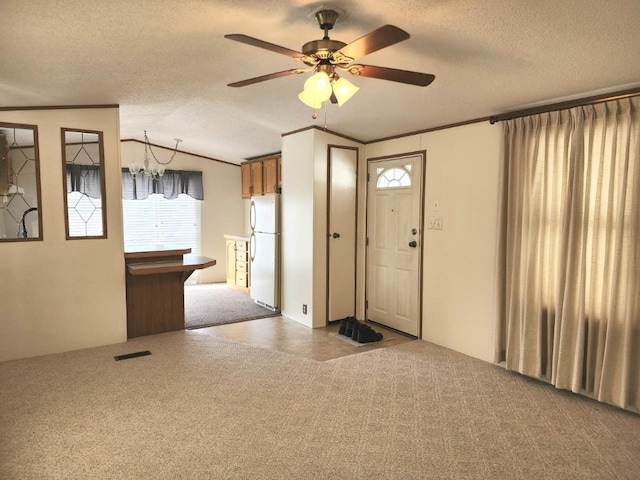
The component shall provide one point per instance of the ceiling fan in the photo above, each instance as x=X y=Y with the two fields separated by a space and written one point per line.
x=327 y=57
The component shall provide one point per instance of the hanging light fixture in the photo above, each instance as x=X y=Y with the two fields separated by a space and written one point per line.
x=154 y=170
x=343 y=89
x=322 y=85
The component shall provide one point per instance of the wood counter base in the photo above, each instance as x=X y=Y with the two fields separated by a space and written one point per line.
x=155 y=289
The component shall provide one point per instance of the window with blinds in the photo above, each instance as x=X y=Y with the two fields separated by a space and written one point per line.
x=157 y=220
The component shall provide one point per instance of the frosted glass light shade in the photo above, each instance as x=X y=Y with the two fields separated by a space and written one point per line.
x=319 y=86
x=344 y=90
x=309 y=99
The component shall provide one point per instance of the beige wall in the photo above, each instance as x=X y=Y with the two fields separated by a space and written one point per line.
x=222 y=210
x=52 y=303
x=458 y=270
x=459 y=261
x=297 y=226
x=60 y=295
x=304 y=224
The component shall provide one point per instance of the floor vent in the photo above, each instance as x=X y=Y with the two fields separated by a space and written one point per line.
x=132 y=355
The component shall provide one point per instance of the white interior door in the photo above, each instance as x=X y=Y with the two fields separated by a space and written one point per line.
x=341 y=241
x=394 y=233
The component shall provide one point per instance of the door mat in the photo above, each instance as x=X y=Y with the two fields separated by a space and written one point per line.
x=358 y=344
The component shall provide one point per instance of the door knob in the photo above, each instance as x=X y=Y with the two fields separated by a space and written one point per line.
x=335 y=235
x=413 y=244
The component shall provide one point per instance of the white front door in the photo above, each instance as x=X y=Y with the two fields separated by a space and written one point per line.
x=394 y=233
x=341 y=241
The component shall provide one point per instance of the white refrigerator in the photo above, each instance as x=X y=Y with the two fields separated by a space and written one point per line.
x=264 y=248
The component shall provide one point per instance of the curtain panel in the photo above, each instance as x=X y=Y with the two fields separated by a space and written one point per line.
x=171 y=184
x=569 y=263
x=84 y=179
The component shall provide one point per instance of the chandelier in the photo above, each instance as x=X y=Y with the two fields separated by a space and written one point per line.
x=324 y=84
x=154 y=170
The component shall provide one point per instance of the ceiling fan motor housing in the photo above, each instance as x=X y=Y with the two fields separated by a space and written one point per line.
x=322 y=49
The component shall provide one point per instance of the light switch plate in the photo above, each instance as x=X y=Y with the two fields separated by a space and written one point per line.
x=434 y=223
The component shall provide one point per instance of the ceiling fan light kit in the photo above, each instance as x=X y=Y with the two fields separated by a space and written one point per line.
x=324 y=57
x=343 y=89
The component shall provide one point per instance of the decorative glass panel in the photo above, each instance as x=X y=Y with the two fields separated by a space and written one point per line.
x=20 y=215
x=84 y=185
x=394 y=177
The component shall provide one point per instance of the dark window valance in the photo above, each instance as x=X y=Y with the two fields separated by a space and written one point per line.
x=84 y=179
x=171 y=184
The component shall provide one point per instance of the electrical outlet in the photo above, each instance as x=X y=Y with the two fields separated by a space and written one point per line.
x=304 y=308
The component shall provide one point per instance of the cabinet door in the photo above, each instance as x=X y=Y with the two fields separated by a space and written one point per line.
x=245 y=171
x=279 y=159
x=256 y=178
x=270 y=168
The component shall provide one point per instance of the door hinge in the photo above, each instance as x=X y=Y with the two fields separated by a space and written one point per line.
x=367 y=242
x=368 y=176
x=366 y=304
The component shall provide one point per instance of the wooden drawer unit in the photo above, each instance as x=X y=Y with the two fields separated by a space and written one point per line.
x=238 y=264
x=242 y=280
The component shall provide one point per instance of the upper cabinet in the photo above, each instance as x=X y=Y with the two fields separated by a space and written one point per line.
x=245 y=170
x=270 y=174
x=261 y=176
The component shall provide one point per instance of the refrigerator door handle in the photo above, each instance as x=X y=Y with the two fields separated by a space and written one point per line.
x=252 y=245
x=252 y=215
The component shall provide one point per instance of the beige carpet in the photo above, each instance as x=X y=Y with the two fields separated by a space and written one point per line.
x=202 y=407
x=217 y=304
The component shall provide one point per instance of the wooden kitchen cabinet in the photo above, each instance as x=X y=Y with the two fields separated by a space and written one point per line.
x=261 y=176
x=238 y=264
x=270 y=172
x=245 y=171
x=252 y=179
x=257 y=187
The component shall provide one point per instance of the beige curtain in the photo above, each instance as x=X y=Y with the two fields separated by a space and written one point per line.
x=569 y=306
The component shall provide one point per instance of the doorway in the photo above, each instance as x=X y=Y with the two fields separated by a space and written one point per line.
x=342 y=174
x=394 y=241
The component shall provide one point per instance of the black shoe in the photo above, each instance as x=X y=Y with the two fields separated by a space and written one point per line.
x=355 y=329
x=343 y=326
x=348 y=331
x=368 y=335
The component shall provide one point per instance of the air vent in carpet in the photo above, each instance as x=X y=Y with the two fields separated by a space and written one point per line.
x=132 y=355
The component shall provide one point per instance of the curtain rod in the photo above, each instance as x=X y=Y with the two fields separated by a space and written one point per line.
x=580 y=102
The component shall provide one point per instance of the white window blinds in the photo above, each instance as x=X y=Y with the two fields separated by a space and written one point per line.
x=157 y=220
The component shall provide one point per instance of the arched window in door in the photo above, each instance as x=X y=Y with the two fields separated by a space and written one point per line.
x=394 y=177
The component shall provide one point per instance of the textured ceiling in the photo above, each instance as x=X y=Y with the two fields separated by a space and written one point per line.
x=167 y=63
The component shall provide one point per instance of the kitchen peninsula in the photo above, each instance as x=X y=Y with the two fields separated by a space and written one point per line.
x=155 y=277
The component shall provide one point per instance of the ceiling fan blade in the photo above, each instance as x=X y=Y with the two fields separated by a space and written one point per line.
x=284 y=73
x=378 y=39
x=392 y=74
x=238 y=37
